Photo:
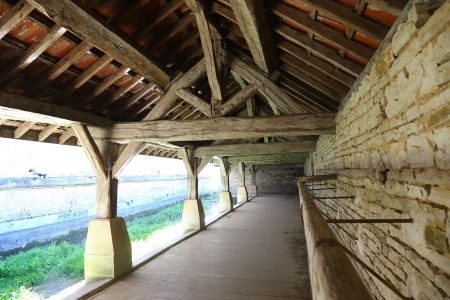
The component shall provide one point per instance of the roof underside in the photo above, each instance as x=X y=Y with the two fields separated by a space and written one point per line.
x=319 y=51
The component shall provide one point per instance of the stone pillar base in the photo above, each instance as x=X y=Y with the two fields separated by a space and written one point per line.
x=193 y=215
x=225 y=202
x=242 y=194
x=108 y=249
x=253 y=190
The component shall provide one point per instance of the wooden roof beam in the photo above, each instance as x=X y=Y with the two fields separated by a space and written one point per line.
x=212 y=48
x=219 y=128
x=14 y=15
x=334 y=36
x=254 y=149
x=31 y=54
x=252 y=21
x=69 y=14
x=349 y=18
x=195 y=101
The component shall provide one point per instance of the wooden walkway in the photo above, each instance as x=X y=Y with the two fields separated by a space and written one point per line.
x=256 y=252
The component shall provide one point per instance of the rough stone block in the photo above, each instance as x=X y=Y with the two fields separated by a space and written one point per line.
x=108 y=249
x=193 y=215
x=225 y=202
x=242 y=195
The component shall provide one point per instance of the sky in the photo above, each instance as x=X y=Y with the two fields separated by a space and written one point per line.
x=17 y=157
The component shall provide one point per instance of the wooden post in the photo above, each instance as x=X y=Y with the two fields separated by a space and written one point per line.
x=253 y=188
x=242 y=195
x=225 y=199
x=193 y=214
x=108 y=246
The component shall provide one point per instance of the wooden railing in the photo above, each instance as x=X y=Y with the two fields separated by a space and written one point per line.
x=332 y=274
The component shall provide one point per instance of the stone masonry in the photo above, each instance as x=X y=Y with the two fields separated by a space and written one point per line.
x=392 y=152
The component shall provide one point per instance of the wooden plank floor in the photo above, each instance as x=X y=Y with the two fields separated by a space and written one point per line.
x=255 y=252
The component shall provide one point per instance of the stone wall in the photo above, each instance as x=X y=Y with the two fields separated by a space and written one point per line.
x=270 y=179
x=392 y=152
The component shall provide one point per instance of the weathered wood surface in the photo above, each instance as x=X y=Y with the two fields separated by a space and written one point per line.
x=39 y=111
x=14 y=15
x=332 y=274
x=224 y=173
x=280 y=158
x=125 y=157
x=195 y=101
x=91 y=149
x=73 y=17
x=266 y=87
x=169 y=98
x=252 y=21
x=211 y=44
x=238 y=98
x=254 y=149
x=316 y=178
x=219 y=128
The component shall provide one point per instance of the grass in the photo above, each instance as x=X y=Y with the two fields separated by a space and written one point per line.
x=20 y=272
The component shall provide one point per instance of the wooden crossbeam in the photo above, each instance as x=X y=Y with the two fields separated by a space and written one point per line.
x=69 y=14
x=195 y=101
x=14 y=15
x=318 y=49
x=219 y=128
x=253 y=24
x=63 y=64
x=268 y=158
x=41 y=110
x=32 y=53
x=253 y=149
x=349 y=18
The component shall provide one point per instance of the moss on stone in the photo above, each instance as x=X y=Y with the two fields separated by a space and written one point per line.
x=439 y=116
x=436 y=238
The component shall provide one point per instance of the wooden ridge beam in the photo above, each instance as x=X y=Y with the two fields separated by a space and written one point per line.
x=252 y=21
x=349 y=18
x=219 y=128
x=70 y=15
x=195 y=101
x=253 y=149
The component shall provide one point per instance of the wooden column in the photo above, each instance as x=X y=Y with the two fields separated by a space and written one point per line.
x=193 y=214
x=108 y=246
x=242 y=195
x=225 y=199
x=253 y=188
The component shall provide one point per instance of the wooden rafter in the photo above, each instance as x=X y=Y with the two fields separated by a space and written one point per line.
x=32 y=53
x=212 y=48
x=252 y=22
x=14 y=15
x=68 y=14
x=195 y=101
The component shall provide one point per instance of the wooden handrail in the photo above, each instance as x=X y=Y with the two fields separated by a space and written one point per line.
x=332 y=274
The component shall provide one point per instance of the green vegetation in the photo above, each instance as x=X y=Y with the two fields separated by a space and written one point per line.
x=22 y=271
